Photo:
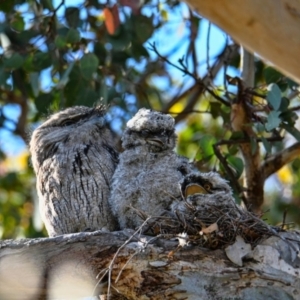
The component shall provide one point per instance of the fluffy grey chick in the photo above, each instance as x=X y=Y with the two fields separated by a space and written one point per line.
x=201 y=191
x=74 y=157
x=148 y=174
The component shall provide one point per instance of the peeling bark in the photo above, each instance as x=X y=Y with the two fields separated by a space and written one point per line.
x=66 y=267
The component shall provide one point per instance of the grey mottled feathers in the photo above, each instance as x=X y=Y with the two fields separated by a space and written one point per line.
x=201 y=191
x=149 y=171
x=74 y=157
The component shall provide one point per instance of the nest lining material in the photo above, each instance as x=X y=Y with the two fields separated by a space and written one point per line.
x=213 y=224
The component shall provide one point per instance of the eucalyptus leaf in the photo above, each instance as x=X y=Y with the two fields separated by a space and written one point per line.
x=206 y=145
x=72 y=16
x=15 y=61
x=274 y=96
x=273 y=120
x=17 y=23
x=292 y=130
x=87 y=97
x=43 y=102
x=41 y=60
x=65 y=77
x=237 y=164
x=267 y=145
x=88 y=65
x=271 y=75
x=35 y=83
x=253 y=145
x=73 y=36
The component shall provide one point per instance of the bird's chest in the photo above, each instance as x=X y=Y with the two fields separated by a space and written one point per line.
x=151 y=169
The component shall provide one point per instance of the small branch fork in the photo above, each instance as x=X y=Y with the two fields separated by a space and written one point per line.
x=201 y=85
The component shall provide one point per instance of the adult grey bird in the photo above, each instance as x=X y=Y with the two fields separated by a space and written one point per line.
x=74 y=157
x=148 y=174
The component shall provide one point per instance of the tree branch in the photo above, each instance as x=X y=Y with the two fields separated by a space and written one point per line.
x=278 y=160
x=67 y=266
x=201 y=85
x=240 y=119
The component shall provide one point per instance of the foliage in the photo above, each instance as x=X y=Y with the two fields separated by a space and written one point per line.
x=56 y=55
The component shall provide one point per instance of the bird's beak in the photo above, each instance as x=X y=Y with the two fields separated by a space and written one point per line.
x=193 y=189
x=157 y=141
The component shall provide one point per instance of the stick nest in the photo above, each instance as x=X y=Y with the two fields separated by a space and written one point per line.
x=213 y=224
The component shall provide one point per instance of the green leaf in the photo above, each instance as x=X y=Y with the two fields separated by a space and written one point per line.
x=233 y=149
x=103 y=92
x=73 y=36
x=35 y=84
x=215 y=108
x=267 y=145
x=41 y=60
x=17 y=23
x=253 y=145
x=88 y=65
x=73 y=89
x=237 y=135
x=72 y=16
x=87 y=97
x=121 y=41
x=4 y=75
x=274 y=96
x=271 y=75
x=26 y=35
x=15 y=61
x=60 y=42
x=237 y=164
x=101 y=52
x=138 y=51
x=47 y=4
x=260 y=127
x=7 y=6
x=285 y=102
x=65 y=77
x=43 y=102
x=289 y=117
x=292 y=130
x=143 y=27
x=206 y=145
x=273 y=120
x=291 y=83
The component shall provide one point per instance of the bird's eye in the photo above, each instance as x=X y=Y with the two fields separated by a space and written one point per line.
x=67 y=122
x=207 y=186
x=145 y=132
x=73 y=120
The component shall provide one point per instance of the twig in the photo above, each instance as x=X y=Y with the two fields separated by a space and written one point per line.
x=207 y=49
x=278 y=160
x=110 y=267
x=201 y=82
x=233 y=180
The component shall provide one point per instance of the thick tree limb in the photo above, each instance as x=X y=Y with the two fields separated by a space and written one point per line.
x=270 y=29
x=241 y=122
x=67 y=266
x=275 y=162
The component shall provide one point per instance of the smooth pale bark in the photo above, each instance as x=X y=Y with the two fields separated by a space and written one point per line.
x=65 y=267
x=270 y=28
